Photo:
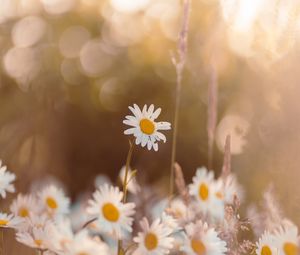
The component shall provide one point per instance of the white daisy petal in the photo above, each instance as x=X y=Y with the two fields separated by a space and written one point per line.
x=129 y=131
x=156 y=113
x=144 y=111
x=161 y=136
x=164 y=125
x=150 y=110
x=144 y=140
x=6 y=179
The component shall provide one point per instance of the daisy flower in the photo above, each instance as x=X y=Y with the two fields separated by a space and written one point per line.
x=38 y=238
x=199 y=239
x=9 y=221
x=178 y=209
x=144 y=128
x=206 y=192
x=287 y=240
x=154 y=239
x=133 y=185
x=54 y=200
x=24 y=205
x=113 y=216
x=6 y=179
x=266 y=245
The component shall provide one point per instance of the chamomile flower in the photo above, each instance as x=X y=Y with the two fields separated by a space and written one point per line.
x=113 y=216
x=9 y=221
x=178 y=209
x=205 y=190
x=133 y=185
x=6 y=179
x=287 y=240
x=23 y=205
x=54 y=200
x=200 y=239
x=266 y=245
x=154 y=239
x=37 y=238
x=144 y=128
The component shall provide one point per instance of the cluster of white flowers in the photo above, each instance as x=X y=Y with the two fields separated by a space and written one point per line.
x=283 y=240
x=202 y=220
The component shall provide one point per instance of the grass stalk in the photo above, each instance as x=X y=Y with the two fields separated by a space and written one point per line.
x=125 y=183
x=179 y=63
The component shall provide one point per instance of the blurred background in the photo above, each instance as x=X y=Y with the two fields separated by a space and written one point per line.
x=70 y=69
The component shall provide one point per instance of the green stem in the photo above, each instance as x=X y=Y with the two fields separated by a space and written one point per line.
x=125 y=183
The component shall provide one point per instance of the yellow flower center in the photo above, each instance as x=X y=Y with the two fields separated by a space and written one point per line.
x=147 y=126
x=3 y=222
x=198 y=247
x=110 y=212
x=23 y=212
x=38 y=242
x=290 y=249
x=51 y=203
x=265 y=250
x=151 y=241
x=203 y=191
x=82 y=253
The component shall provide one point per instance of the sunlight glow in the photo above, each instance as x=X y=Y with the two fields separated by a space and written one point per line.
x=262 y=29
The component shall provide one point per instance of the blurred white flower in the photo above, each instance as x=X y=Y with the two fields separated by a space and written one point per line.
x=113 y=216
x=205 y=191
x=237 y=128
x=24 y=205
x=144 y=128
x=287 y=240
x=9 y=221
x=154 y=239
x=266 y=245
x=6 y=179
x=132 y=185
x=54 y=200
x=178 y=208
x=201 y=239
x=37 y=238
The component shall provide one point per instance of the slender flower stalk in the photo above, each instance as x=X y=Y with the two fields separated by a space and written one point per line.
x=125 y=183
x=179 y=64
x=226 y=168
x=212 y=114
x=128 y=160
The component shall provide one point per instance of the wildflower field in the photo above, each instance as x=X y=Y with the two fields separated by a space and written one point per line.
x=149 y=127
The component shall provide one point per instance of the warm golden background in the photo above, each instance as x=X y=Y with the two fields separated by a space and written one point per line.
x=70 y=68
